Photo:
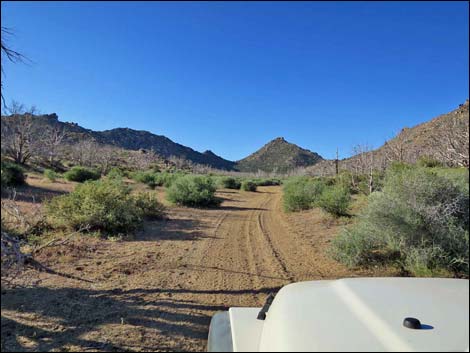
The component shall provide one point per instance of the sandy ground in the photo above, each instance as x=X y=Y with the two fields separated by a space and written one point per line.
x=158 y=291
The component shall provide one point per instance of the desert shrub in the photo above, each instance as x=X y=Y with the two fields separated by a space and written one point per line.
x=428 y=162
x=419 y=221
x=248 y=185
x=50 y=174
x=167 y=179
x=362 y=185
x=147 y=177
x=267 y=182
x=81 y=174
x=301 y=193
x=229 y=183
x=193 y=190
x=12 y=174
x=115 y=173
x=148 y=204
x=105 y=205
x=335 y=200
x=344 y=179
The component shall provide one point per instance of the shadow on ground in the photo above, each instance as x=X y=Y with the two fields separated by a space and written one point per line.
x=29 y=193
x=45 y=319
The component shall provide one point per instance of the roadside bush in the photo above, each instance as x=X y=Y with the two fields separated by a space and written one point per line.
x=105 y=205
x=248 y=185
x=301 y=193
x=12 y=174
x=81 y=174
x=419 y=221
x=50 y=174
x=267 y=182
x=193 y=190
x=335 y=200
x=229 y=183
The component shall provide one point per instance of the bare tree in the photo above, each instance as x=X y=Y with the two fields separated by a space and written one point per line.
x=452 y=145
x=9 y=54
x=18 y=141
x=51 y=143
x=82 y=153
x=105 y=157
x=143 y=159
x=363 y=164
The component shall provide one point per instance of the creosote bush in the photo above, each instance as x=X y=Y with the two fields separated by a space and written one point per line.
x=81 y=174
x=419 y=221
x=248 y=185
x=104 y=205
x=193 y=190
x=12 y=174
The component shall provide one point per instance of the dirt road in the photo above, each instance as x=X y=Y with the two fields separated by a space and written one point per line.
x=158 y=291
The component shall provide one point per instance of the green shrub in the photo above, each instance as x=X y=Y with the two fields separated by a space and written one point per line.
x=335 y=200
x=248 y=185
x=167 y=179
x=428 y=162
x=12 y=174
x=147 y=177
x=267 y=182
x=229 y=183
x=50 y=174
x=149 y=205
x=81 y=174
x=115 y=173
x=419 y=221
x=193 y=190
x=301 y=193
x=105 y=205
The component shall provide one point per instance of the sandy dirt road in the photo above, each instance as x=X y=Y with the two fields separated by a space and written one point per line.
x=158 y=291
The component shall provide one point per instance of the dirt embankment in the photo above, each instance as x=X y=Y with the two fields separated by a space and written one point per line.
x=158 y=291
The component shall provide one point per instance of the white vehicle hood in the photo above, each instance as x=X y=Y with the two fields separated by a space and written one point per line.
x=366 y=314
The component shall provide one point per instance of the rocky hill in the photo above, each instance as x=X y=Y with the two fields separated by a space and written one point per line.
x=278 y=156
x=125 y=138
x=444 y=138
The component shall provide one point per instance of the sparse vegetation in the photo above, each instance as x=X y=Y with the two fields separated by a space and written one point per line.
x=104 y=205
x=81 y=174
x=267 y=182
x=147 y=177
x=194 y=191
x=419 y=221
x=248 y=185
x=115 y=173
x=50 y=174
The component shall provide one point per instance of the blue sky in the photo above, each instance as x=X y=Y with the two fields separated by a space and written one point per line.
x=229 y=77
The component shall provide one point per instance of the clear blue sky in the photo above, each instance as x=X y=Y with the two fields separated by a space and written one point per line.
x=229 y=77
